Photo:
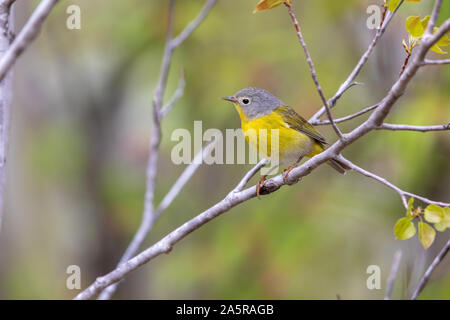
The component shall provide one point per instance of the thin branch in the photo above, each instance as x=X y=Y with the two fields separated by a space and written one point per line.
x=29 y=32
x=393 y=274
x=346 y=118
x=241 y=185
x=193 y=24
x=177 y=95
x=405 y=127
x=403 y=194
x=150 y=215
x=433 y=18
x=183 y=179
x=423 y=282
x=429 y=62
x=312 y=69
x=144 y=229
x=6 y=31
x=355 y=72
x=233 y=199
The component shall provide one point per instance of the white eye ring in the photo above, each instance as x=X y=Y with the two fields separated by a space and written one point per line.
x=245 y=101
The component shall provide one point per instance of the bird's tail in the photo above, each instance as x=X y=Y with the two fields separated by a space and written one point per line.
x=338 y=165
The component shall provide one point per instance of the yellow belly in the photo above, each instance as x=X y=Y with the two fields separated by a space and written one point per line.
x=292 y=143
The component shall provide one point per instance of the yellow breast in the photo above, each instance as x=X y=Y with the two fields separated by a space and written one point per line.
x=292 y=143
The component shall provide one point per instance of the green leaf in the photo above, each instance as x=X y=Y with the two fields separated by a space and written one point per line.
x=404 y=229
x=393 y=5
x=424 y=22
x=445 y=222
x=426 y=234
x=268 y=4
x=434 y=213
x=414 y=26
x=410 y=207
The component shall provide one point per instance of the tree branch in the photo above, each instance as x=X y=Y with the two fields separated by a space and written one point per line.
x=403 y=194
x=393 y=274
x=405 y=127
x=428 y=62
x=10 y=50
x=150 y=215
x=423 y=282
x=312 y=69
x=233 y=199
x=241 y=185
x=346 y=118
x=28 y=33
x=6 y=30
x=355 y=72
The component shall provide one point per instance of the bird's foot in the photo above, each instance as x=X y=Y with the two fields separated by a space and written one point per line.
x=285 y=172
x=259 y=185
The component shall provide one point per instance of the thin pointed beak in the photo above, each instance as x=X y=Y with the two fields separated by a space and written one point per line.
x=231 y=98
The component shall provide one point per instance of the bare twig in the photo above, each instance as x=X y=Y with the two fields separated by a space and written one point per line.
x=10 y=50
x=393 y=274
x=241 y=185
x=359 y=65
x=433 y=18
x=423 y=282
x=403 y=194
x=177 y=95
x=405 y=127
x=144 y=229
x=233 y=199
x=312 y=69
x=183 y=179
x=6 y=30
x=405 y=62
x=28 y=33
x=346 y=118
x=150 y=215
x=193 y=24
x=429 y=62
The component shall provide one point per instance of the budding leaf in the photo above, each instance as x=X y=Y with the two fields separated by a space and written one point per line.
x=445 y=222
x=410 y=207
x=394 y=3
x=414 y=26
x=434 y=213
x=404 y=229
x=426 y=234
x=268 y=4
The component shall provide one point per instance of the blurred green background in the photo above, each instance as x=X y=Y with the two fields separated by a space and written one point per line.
x=79 y=142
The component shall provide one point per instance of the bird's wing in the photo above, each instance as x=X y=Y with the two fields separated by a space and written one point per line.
x=297 y=122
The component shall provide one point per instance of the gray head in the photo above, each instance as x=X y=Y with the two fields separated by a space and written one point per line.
x=255 y=102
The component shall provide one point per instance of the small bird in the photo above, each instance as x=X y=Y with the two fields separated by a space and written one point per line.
x=260 y=110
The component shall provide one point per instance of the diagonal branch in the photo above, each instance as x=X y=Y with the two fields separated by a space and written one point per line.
x=241 y=185
x=429 y=62
x=393 y=274
x=233 y=199
x=10 y=50
x=312 y=69
x=362 y=61
x=403 y=194
x=346 y=118
x=150 y=215
x=406 y=127
x=423 y=282
x=29 y=32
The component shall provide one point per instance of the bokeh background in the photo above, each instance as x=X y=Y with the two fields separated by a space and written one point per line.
x=81 y=122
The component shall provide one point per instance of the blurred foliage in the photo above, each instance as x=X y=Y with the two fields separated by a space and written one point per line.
x=78 y=152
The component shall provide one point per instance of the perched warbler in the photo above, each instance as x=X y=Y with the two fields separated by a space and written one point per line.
x=259 y=110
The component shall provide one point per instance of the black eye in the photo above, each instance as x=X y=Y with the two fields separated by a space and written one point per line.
x=245 y=101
